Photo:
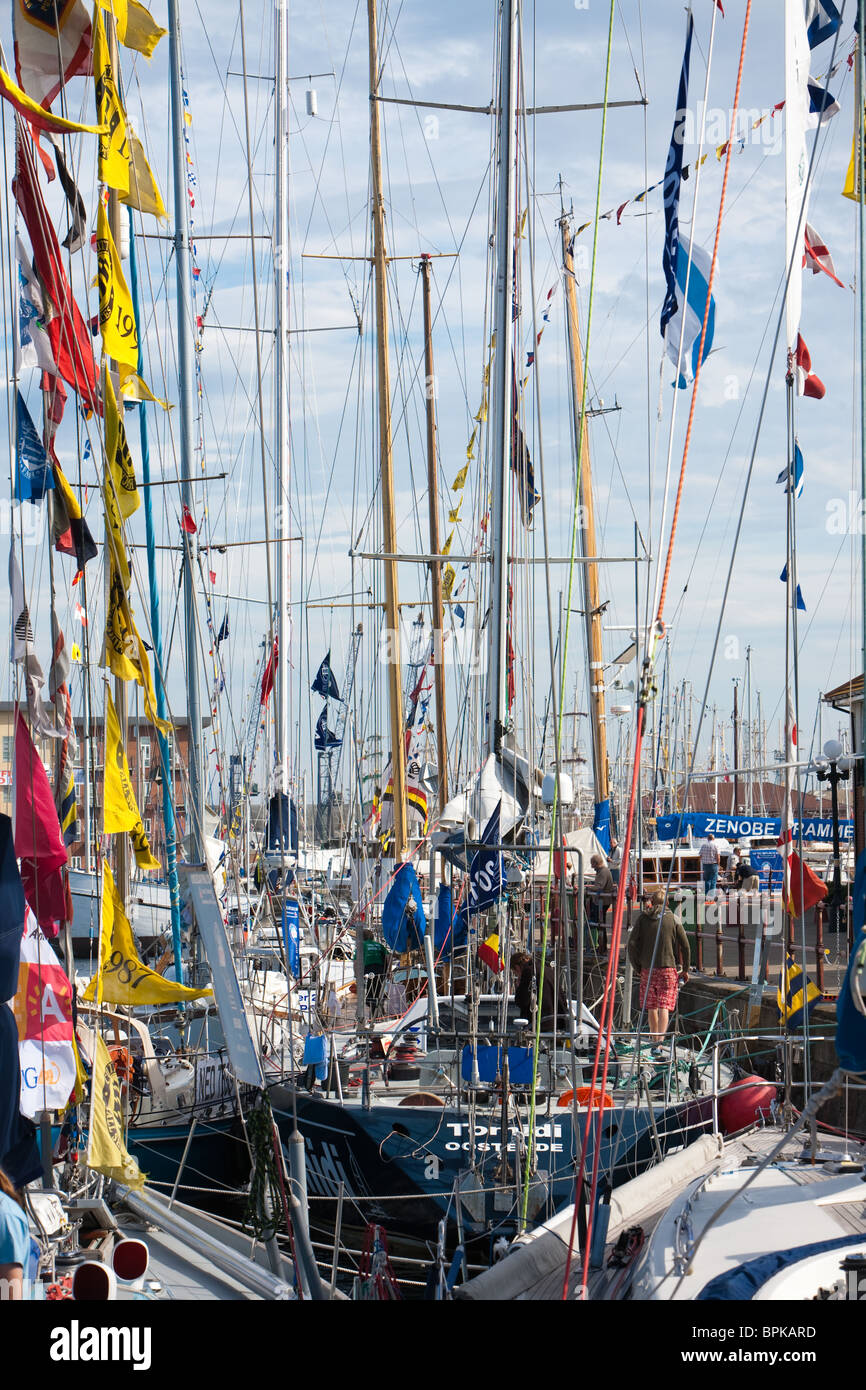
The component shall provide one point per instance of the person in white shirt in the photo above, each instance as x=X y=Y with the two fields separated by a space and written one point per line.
x=710 y=865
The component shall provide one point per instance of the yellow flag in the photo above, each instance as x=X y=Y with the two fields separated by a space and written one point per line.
x=142 y=31
x=116 y=316
x=135 y=388
x=448 y=577
x=118 y=9
x=42 y=119
x=447 y=546
x=76 y=652
x=470 y=447
x=121 y=807
x=122 y=977
x=482 y=410
x=460 y=480
x=852 y=183
x=143 y=192
x=106 y=1151
x=120 y=469
x=113 y=146
x=454 y=515
x=123 y=651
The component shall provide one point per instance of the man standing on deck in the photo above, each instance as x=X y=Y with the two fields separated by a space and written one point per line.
x=601 y=892
x=656 y=944
x=710 y=865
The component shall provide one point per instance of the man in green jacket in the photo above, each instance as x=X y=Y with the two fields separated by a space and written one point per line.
x=656 y=947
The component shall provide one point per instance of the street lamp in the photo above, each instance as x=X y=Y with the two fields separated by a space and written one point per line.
x=834 y=768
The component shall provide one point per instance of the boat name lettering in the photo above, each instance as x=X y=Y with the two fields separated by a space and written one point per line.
x=542 y=1131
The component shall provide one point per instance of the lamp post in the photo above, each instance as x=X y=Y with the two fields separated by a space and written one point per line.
x=834 y=768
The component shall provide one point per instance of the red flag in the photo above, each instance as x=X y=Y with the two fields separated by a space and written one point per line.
x=66 y=329
x=187 y=523
x=38 y=840
x=814 y=891
x=817 y=257
x=807 y=383
x=488 y=951
x=270 y=669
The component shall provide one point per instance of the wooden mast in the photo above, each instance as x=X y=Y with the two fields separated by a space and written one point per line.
x=592 y=611
x=389 y=526
x=435 y=565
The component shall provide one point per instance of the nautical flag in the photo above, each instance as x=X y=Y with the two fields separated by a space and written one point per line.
x=122 y=977
x=488 y=951
x=143 y=191
x=67 y=331
x=36 y=114
x=224 y=630
x=800 y=601
x=817 y=257
x=822 y=104
x=269 y=673
x=74 y=238
x=672 y=183
x=324 y=684
x=106 y=1151
x=142 y=31
x=187 y=524
x=43 y=1012
x=116 y=314
x=852 y=179
x=822 y=21
x=796 y=996
x=67 y=811
x=692 y=313
x=24 y=652
x=34 y=347
x=71 y=532
x=58 y=675
x=807 y=889
x=521 y=466
x=123 y=651
x=34 y=477
x=38 y=841
x=113 y=168
x=486 y=879
x=52 y=44
x=797 y=471
x=120 y=806
x=120 y=470
x=807 y=383
x=324 y=739
x=416 y=797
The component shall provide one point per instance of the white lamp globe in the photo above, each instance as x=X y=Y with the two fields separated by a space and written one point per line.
x=833 y=750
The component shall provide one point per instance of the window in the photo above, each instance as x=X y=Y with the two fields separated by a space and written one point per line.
x=148 y=825
x=8 y=745
x=144 y=746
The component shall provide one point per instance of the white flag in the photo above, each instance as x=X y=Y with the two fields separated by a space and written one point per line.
x=43 y=1011
x=23 y=651
x=34 y=347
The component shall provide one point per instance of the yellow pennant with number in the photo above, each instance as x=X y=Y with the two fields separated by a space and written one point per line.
x=113 y=146
x=123 y=651
x=106 y=1151
x=116 y=315
x=121 y=808
x=122 y=977
x=120 y=470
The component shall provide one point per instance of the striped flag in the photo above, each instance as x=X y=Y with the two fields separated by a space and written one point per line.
x=688 y=319
x=817 y=257
x=795 y=474
x=67 y=808
x=488 y=951
x=797 y=995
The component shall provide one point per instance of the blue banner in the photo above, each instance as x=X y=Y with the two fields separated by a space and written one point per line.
x=672 y=184
x=292 y=936
x=485 y=872
x=749 y=827
x=768 y=865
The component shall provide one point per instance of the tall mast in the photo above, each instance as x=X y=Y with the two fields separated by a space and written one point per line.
x=186 y=378
x=389 y=524
x=591 y=605
x=500 y=422
x=435 y=565
x=281 y=395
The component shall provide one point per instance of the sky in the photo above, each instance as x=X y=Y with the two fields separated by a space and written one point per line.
x=438 y=200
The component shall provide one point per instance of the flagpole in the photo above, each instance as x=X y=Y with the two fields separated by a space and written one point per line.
x=861 y=288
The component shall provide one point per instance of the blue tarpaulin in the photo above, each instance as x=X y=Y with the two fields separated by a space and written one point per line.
x=401 y=933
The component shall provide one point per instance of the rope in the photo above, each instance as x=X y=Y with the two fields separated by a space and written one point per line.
x=604 y=1030
x=265 y=1201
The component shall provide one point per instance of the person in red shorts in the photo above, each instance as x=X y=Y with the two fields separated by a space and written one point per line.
x=659 y=948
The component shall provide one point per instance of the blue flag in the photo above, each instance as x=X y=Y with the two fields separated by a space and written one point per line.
x=822 y=21
x=797 y=471
x=800 y=601
x=292 y=935
x=672 y=182
x=486 y=879
x=324 y=684
x=324 y=739
x=687 y=321
x=35 y=477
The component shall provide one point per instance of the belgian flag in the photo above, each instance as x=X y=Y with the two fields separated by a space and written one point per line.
x=71 y=533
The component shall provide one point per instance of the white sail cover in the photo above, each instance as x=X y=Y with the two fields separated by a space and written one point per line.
x=506 y=779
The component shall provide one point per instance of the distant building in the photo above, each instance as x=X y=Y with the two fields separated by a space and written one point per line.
x=848 y=699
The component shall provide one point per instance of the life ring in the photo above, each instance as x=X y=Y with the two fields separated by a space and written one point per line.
x=583 y=1094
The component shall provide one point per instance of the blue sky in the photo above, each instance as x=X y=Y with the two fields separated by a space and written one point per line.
x=438 y=201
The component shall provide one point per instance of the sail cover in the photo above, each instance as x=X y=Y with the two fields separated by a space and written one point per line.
x=506 y=779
